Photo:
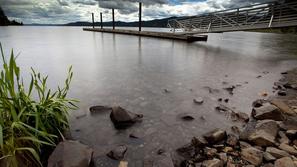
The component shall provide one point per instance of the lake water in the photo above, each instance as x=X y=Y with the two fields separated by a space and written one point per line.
x=133 y=72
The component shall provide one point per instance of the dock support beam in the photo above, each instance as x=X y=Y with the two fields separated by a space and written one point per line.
x=113 y=24
x=101 y=21
x=93 y=24
x=140 y=12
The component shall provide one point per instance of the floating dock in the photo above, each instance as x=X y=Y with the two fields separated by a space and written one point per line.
x=166 y=35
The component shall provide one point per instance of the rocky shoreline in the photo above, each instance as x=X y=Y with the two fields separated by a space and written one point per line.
x=267 y=138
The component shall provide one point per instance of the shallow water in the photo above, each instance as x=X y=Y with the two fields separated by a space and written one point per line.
x=133 y=72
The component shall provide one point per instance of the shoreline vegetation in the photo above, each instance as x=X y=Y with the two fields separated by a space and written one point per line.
x=32 y=117
x=4 y=21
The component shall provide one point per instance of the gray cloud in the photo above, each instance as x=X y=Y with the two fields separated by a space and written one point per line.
x=63 y=11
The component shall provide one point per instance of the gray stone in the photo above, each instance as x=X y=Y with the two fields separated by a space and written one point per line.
x=288 y=148
x=276 y=152
x=210 y=152
x=187 y=151
x=118 y=153
x=284 y=162
x=199 y=142
x=70 y=154
x=264 y=133
x=284 y=108
x=215 y=136
x=232 y=140
x=223 y=157
x=122 y=118
x=212 y=163
x=268 y=157
x=243 y=116
x=248 y=130
x=244 y=144
x=267 y=111
x=282 y=93
x=292 y=134
x=252 y=155
x=258 y=103
x=290 y=123
x=283 y=137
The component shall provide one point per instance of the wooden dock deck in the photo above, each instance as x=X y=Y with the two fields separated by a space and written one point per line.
x=166 y=35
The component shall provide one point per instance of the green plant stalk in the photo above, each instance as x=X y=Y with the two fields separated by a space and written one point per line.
x=27 y=124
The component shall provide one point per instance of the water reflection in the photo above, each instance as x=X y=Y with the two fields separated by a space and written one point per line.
x=133 y=71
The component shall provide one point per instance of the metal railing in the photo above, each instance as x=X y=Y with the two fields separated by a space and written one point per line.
x=260 y=16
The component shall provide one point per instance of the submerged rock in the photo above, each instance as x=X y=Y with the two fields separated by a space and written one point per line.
x=230 y=89
x=117 y=153
x=222 y=108
x=99 y=109
x=198 y=100
x=70 y=154
x=186 y=117
x=122 y=118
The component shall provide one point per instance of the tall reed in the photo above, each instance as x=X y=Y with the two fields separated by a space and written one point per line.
x=29 y=124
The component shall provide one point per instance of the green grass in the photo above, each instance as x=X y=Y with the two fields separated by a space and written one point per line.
x=31 y=117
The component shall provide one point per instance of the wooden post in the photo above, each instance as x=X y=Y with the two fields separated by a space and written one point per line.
x=140 y=12
x=93 y=20
x=113 y=24
x=101 y=21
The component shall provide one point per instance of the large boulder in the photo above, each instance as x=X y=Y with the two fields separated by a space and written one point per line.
x=284 y=162
x=264 y=133
x=267 y=111
x=122 y=118
x=70 y=154
x=215 y=136
x=252 y=155
x=276 y=152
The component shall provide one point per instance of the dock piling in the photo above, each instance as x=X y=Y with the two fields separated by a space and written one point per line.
x=113 y=24
x=101 y=21
x=140 y=12
x=93 y=24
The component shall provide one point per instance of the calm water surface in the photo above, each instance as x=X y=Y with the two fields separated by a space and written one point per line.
x=133 y=71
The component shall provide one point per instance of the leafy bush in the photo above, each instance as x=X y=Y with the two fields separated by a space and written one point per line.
x=28 y=124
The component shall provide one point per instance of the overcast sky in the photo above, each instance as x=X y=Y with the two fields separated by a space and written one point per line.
x=64 y=11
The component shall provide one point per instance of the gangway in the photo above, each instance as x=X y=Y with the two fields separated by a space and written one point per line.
x=276 y=14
